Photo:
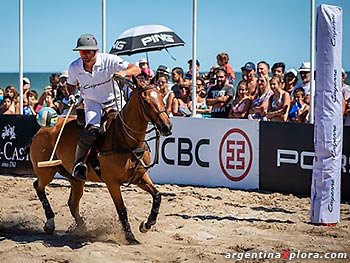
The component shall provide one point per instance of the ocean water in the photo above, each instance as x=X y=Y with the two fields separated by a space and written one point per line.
x=39 y=81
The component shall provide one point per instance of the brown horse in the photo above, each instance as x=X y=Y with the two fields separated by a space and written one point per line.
x=120 y=155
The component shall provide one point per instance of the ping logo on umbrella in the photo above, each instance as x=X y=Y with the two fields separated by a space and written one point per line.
x=157 y=38
x=119 y=45
x=144 y=39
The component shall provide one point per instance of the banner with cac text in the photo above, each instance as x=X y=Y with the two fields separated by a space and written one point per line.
x=218 y=152
x=16 y=133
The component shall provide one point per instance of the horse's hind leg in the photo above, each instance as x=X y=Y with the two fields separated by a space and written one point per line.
x=147 y=185
x=115 y=192
x=76 y=192
x=49 y=226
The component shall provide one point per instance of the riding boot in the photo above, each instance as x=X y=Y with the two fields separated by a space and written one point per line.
x=86 y=141
x=80 y=168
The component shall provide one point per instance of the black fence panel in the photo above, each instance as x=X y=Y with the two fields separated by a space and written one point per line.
x=16 y=134
x=286 y=157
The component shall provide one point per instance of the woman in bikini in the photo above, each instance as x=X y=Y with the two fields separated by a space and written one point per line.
x=261 y=100
x=279 y=102
x=181 y=104
x=241 y=104
x=168 y=95
x=202 y=109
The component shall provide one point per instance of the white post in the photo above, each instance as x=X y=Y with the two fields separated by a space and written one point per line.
x=20 y=77
x=312 y=61
x=194 y=58
x=103 y=26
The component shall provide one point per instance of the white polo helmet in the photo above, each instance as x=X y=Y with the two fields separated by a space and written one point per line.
x=86 y=42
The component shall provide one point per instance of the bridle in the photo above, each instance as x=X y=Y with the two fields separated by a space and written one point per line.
x=129 y=131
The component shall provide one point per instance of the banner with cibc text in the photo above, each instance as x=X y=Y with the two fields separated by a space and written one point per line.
x=215 y=152
x=328 y=129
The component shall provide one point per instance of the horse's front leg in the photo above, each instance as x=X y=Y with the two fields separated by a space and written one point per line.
x=49 y=226
x=147 y=185
x=114 y=190
x=76 y=192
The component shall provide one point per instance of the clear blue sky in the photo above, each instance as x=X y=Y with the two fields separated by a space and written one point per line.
x=271 y=30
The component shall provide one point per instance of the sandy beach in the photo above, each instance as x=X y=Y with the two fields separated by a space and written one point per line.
x=195 y=224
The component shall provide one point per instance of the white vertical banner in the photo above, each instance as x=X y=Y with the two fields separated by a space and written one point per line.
x=325 y=186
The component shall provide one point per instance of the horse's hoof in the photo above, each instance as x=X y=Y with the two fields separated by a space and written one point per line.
x=143 y=228
x=81 y=228
x=133 y=242
x=49 y=226
x=131 y=239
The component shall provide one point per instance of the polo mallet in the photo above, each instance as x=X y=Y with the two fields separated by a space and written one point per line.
x=52 y=162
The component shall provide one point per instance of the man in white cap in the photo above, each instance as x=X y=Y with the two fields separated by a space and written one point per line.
x=93 y=72
x=304 y=72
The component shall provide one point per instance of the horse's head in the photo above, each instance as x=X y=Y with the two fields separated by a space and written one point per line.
x=152 y=106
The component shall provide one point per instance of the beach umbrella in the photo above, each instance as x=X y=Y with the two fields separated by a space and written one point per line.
x=145 y=38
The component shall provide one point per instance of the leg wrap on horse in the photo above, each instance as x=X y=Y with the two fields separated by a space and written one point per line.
x=87 y=139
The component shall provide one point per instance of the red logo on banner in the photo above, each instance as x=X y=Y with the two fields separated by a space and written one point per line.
x=235 y=154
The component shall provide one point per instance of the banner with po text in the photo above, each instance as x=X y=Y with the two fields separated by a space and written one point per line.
x=215 y=152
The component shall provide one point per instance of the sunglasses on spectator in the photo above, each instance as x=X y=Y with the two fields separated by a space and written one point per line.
x=185 y=88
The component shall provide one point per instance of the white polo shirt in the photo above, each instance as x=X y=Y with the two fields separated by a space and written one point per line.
x=96 y=86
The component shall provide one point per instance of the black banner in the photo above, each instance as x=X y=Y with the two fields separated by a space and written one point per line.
x=16 y=133
x=286 y=158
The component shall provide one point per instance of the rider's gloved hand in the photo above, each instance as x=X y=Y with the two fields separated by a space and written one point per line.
x=72 y=99
x=119 y=74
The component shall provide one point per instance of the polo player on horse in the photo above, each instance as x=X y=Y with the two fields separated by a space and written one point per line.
x=93 y=73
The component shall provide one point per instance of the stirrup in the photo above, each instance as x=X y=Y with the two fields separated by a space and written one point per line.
x=79 y=171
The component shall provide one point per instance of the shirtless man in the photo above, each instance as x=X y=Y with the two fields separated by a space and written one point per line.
x=248 y=74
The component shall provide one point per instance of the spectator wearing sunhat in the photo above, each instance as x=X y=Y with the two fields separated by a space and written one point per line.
x=304 y=72
x=189 y=72
x=64 y=74
x=162 y=70
x=248 y=74
x=145 y=69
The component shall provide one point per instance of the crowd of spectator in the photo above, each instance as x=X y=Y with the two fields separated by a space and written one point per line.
x=53 y=96
x=263 y=93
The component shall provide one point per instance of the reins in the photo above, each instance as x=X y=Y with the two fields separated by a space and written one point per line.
x=137 y=152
